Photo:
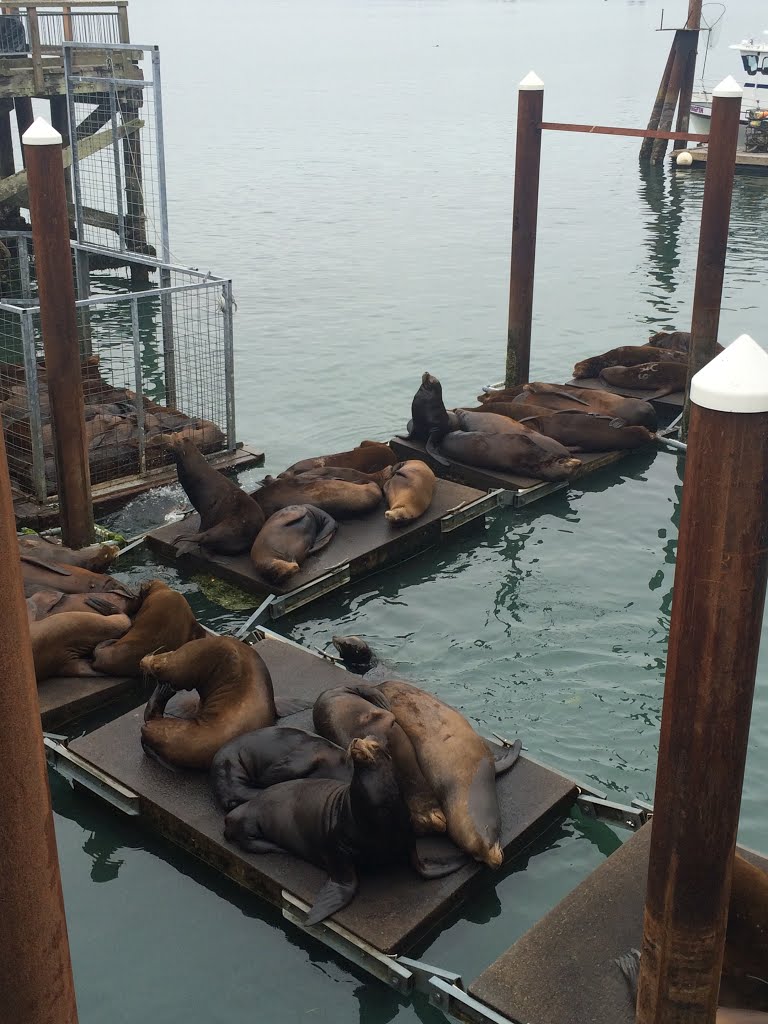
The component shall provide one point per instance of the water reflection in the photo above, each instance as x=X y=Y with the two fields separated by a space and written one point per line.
x=664 y=195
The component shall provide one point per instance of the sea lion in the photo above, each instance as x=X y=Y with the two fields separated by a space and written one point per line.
x=229 y=518
x=266 y=757
x=164 y=622
x=627 y=355
x=368 y=457
x=526 y=453
x=430 y=420
x=635 y=411
x=746 y=941
x=69 y=579
x=341 y=499
x=331 y=824
x=288 y=538
x=678 y=341
x=663 y=378
x=408 y=490
x=588 y=432
x=457 y=765
x=62 y=644
x=96 y=557
x=236 y=697
x=54 y=602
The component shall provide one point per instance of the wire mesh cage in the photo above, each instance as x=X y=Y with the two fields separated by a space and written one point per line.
x=156 y=361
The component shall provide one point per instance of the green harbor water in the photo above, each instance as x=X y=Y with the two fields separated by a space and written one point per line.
x=349 y=163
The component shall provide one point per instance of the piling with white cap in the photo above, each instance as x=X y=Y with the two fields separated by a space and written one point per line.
x=525 y=208
x=714 y=639
x=58 y=321
x=715 y=220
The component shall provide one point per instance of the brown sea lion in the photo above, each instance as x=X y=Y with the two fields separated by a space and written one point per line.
x=96 y=557
x=229 y=518
x=663 y=378
x=62 y=644
x=69 y=579
x=332 y=824
x=635 y=411
x=457 y=765
x=288 y=538
x=236 y=697
x=408 y=491
x=679 y=341
x=368 y=457
x=526 y=453
x=54 y=602
x=164 y=622
x=339 y=498
x=430 y=421
x=266 y=757
x=627 y=355
x=588 y=432
x=746 y=941
x=344 y=712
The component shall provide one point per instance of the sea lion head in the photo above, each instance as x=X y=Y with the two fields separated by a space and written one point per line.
x=354 y=651
x=587 y=368
x=179 y=446
x=430 y=383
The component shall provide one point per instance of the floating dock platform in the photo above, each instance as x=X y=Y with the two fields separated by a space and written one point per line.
x=392 y=910
x=746 y=160
x=361 y=547
x=64 y=699
x=562 y=971
x=516 y=490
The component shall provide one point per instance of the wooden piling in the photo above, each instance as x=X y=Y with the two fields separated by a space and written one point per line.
x=58 y=319
x=715 y=220
x=692 y=25
x=24 y=118
x=530 y=106
x=684 y=43
x=717 y=611
x=36 y=984
x=653 y=121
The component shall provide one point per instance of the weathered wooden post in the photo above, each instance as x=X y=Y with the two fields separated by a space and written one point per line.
x=36 y=984
x=530 y=106
x=713 y=237
x=717 y=612
x=693 y=25
x=58 y=319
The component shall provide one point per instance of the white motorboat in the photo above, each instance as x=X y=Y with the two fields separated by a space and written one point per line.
x=754 y=60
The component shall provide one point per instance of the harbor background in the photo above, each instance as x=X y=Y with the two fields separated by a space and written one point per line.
x=350 y=165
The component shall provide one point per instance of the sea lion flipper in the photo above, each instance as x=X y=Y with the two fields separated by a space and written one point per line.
x=537 y=388
x=260 y=846
x=629 y=963
x=617 y=422
x=508 y=757
x=99 y=605
x=326 y=533
x=57 y=568
x=285 y=706
x=337 y=892
x=370 y=693
x=433 y=452
x=437 y=856
x=156 y=704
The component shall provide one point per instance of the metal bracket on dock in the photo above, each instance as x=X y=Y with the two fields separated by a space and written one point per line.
x=446 y=991
x=74 y=767
x=464 y=513
x=632 y=817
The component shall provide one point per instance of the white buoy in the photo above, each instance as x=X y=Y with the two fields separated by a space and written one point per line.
x=683 y=158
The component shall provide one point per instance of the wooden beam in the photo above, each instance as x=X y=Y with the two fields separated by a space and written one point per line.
x=638 y=133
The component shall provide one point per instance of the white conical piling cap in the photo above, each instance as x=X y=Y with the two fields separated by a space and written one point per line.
x=734 y=381
x=531 y=83
x=40 y=133
x=729 y=88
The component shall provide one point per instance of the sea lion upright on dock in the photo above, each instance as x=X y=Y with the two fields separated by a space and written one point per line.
x=236 y=697
x=229 y=518
x=430 y=420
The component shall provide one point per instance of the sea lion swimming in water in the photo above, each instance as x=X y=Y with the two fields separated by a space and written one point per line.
x=62 y=644
x=288 y=538
x=408 y=489
x=266 y=757
x=236 y=697
x=229 y=518
x=430 y=420
x=341 y=499
x=331 y=824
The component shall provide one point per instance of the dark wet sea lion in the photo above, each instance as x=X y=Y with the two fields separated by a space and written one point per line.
x=54 y=602
x=331 y=824
x=589 y=432
x=627 y=355
x=430 y=420
x=526 y=453
x=236 y=697
x=266 y=757
x=457 y=765
x=96 y=557
x=678 y=341
x=635 y=411
x=368 y=457
x=666 y=378
x=69 y=579
x=229 y=518
x=164 y=622
x=408 y=490
x=746 y=942
x=288 y=538
x=62 y=644
x=344 y=713
x=339 y=498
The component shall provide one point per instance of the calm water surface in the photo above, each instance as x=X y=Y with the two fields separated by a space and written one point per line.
x=349 y=163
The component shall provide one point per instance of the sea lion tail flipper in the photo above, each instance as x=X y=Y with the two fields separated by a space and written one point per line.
x=434 y=453
x=537 y=388
x=408 y=436
x=629 y=963
x=285 y=706
x=437 y=856
x=508 y=757
x=326 y=534
x=337 y=892
x=99 y=605
x=259 y=846
x=156 y=704
x=370 y=693
x=57 y=568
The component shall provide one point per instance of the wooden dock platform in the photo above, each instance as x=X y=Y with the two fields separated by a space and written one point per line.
x=746 y=161
x=519 y=490
x=361 y=547
x=562 y=970
x=393 y=909
x=62 y=700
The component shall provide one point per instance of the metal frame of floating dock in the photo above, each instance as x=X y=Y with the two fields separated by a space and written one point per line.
x=361 y=547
